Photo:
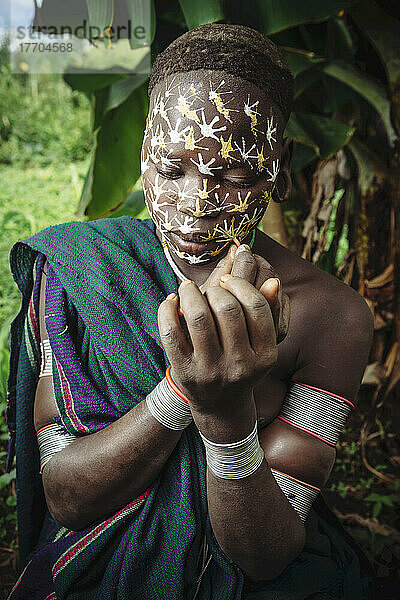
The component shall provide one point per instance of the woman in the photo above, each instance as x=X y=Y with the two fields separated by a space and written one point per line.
x=210 y=487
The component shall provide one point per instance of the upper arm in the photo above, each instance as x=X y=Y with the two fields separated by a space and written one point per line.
x=45 y=406
x=336 y=340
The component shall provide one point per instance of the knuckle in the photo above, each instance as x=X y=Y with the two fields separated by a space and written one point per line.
x=198 y=319
x=228 y=307
x=168 y=333
x=246 y=259
x=239 y=370
x=258 y=303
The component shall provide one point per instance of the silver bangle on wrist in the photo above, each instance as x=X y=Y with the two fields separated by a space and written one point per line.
x=168 y=405
x=235 y=460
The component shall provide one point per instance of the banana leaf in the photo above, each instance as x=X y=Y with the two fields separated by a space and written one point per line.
x=384 y=33
x=302 y=156
x=371 y=89
x=57 y=13
x=90 y=82
x=101 y=14
x=325 y=136
x=281 y=14
x=132 y=206
x=300 y=60
x=116 y=158
x=142 y=15
x=369 y=164
x=204 y=11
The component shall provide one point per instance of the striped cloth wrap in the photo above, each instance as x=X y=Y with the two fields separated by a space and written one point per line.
x=105 y=282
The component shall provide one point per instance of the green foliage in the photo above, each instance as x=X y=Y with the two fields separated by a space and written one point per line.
x=45 y=122
x=34 y=198
x=321 y=51
x=372 y=90
x=200 y=13
x=371 y=504
x=380 y=500
x=42 y=121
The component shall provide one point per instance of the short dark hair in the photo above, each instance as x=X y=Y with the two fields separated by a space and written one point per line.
x=235 y=49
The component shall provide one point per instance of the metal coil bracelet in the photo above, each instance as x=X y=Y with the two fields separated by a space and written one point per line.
x=300 y=494
x=51 y=439
x=168 y=405
x=46 y=362
x=234 y=460
x=315 y=411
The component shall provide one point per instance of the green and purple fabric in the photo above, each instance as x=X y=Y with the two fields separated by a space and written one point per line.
x=106 y=280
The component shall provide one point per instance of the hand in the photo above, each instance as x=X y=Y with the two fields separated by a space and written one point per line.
x=258 y=271
x=230 y=343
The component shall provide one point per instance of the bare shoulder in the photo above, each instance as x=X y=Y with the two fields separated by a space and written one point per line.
x=317 y=293
x=331 y=325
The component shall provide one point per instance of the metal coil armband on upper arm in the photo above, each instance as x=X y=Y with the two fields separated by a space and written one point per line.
x=321 y=414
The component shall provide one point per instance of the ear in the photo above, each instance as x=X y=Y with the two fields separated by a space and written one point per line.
x=283 y=188
x=287 y=154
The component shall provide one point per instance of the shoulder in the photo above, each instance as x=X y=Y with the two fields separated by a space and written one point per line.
x=317 y=294
x=331 y=325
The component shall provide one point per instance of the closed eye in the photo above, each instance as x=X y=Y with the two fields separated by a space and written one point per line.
x=170 y=174
x=243 y=182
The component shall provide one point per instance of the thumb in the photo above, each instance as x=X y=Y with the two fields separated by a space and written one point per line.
x=223 y=267
x=270 y=289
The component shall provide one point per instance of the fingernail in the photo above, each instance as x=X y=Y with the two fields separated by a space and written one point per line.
x=243 y=248
x=226 y=277
x=185 y=282
x=171 y=296
x=279 y=283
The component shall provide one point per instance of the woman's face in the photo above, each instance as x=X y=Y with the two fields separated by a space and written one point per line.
x=210 y=160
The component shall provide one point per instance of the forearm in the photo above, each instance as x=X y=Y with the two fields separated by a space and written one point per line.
x=297 y=453
x=252 y=520
x=100 y=473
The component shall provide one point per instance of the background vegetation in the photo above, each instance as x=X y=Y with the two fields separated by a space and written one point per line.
x=344 y=213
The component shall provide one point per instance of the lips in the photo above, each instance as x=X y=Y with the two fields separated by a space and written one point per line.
x=197 y=238
x=189 y=244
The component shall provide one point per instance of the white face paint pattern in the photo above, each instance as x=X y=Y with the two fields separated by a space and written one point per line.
x=165 y=196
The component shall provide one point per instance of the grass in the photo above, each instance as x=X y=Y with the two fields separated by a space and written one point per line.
x=35 y=197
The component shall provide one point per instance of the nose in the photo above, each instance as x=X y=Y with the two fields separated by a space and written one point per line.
x=198 y=198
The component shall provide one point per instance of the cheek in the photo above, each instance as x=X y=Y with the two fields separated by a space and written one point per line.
x=160 y=194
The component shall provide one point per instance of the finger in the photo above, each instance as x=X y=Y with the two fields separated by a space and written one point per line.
x=244 y=264
x=224 y=266
x=264 y=271
x=173 y=338
x=260 y=323
x=199 y=320
x=284 y=318
x=270 y=291
x=230 y=321
x=280 y=306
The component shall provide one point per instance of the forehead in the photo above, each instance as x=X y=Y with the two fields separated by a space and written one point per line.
x=238 y=107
